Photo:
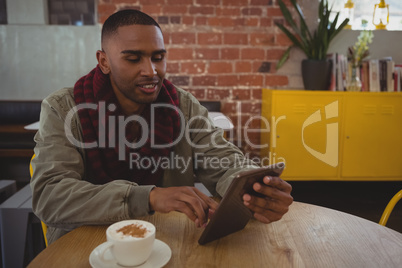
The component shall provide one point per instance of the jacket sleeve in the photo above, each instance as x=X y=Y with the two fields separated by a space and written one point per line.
x=216 y=160
x=60 y=196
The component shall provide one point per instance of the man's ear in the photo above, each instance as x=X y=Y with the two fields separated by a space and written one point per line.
x=103 y=61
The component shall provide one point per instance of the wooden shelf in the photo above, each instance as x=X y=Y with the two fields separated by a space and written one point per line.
x=16 y=153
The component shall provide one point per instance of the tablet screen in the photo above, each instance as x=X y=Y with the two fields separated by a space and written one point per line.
x=232 y=215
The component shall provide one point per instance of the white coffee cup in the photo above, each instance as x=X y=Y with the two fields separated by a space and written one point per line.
x=129 y=249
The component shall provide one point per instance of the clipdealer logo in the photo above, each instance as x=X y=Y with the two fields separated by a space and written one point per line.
x=330 y=156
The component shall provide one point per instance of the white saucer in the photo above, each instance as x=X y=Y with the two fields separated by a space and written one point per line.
x=160 y=255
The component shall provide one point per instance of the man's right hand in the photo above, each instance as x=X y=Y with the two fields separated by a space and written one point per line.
x=185 y=199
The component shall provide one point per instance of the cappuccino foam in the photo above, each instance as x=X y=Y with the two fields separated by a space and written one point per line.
x=131 y=230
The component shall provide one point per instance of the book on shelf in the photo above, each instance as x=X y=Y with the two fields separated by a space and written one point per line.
x=338 y=72
x=383 y=74
x=332 y=58
x=364 y=76
x=341 y=72
x=387 y=66
x=398 y=78
x=390 y=76
x=375 y=75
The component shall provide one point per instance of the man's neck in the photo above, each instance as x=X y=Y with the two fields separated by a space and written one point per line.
x=129 y=107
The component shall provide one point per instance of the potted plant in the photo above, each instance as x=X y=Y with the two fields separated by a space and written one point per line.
x=356 y=55
x=316 y=69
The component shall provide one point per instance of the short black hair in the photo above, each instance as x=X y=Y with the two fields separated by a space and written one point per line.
x=125 y=17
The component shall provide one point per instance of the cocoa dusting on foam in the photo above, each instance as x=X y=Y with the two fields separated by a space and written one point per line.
x=133 y=230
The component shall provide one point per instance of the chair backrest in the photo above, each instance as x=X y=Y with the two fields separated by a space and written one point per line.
x=212 y=106
x=390 y=207
x=44 y=227
x=19 y=112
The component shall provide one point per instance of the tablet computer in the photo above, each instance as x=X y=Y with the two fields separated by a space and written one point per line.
x=232 y=215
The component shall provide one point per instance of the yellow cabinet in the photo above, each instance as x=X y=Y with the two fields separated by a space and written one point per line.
x=372 y=136
x=323 y=135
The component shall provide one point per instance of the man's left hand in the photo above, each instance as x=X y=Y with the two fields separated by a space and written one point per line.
x=275 y=203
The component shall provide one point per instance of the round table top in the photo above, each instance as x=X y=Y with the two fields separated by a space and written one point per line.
x=307 y=236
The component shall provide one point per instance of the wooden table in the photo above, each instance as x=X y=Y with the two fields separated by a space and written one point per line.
x=307 y=236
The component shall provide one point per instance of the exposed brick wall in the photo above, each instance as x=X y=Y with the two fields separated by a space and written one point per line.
x=222 y=50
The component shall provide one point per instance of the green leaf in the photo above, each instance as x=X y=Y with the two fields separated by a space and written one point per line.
x=288 y=16
x=343 y=24
x=333 y=25
x=314 y=44
x=303 y=24
x=291 y=36
x=284 y=58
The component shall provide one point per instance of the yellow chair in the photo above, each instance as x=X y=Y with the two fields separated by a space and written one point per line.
x=390 y=207
x=44 y=227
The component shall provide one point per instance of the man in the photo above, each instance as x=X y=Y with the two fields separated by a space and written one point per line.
x=125 y=142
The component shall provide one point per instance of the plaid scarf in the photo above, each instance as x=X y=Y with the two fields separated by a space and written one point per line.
x=103 y=160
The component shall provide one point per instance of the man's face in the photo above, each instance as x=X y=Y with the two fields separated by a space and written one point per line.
x=137 y=65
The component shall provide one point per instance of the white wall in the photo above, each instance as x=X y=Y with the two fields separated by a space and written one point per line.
x=385 y=43
x=27 y=12
x=36 y=60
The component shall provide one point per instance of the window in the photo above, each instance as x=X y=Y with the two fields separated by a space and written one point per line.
x=363 y=13
x=72 y=12
x=3 y=12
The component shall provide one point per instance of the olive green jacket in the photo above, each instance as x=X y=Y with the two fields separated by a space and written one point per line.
x=64 y=200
